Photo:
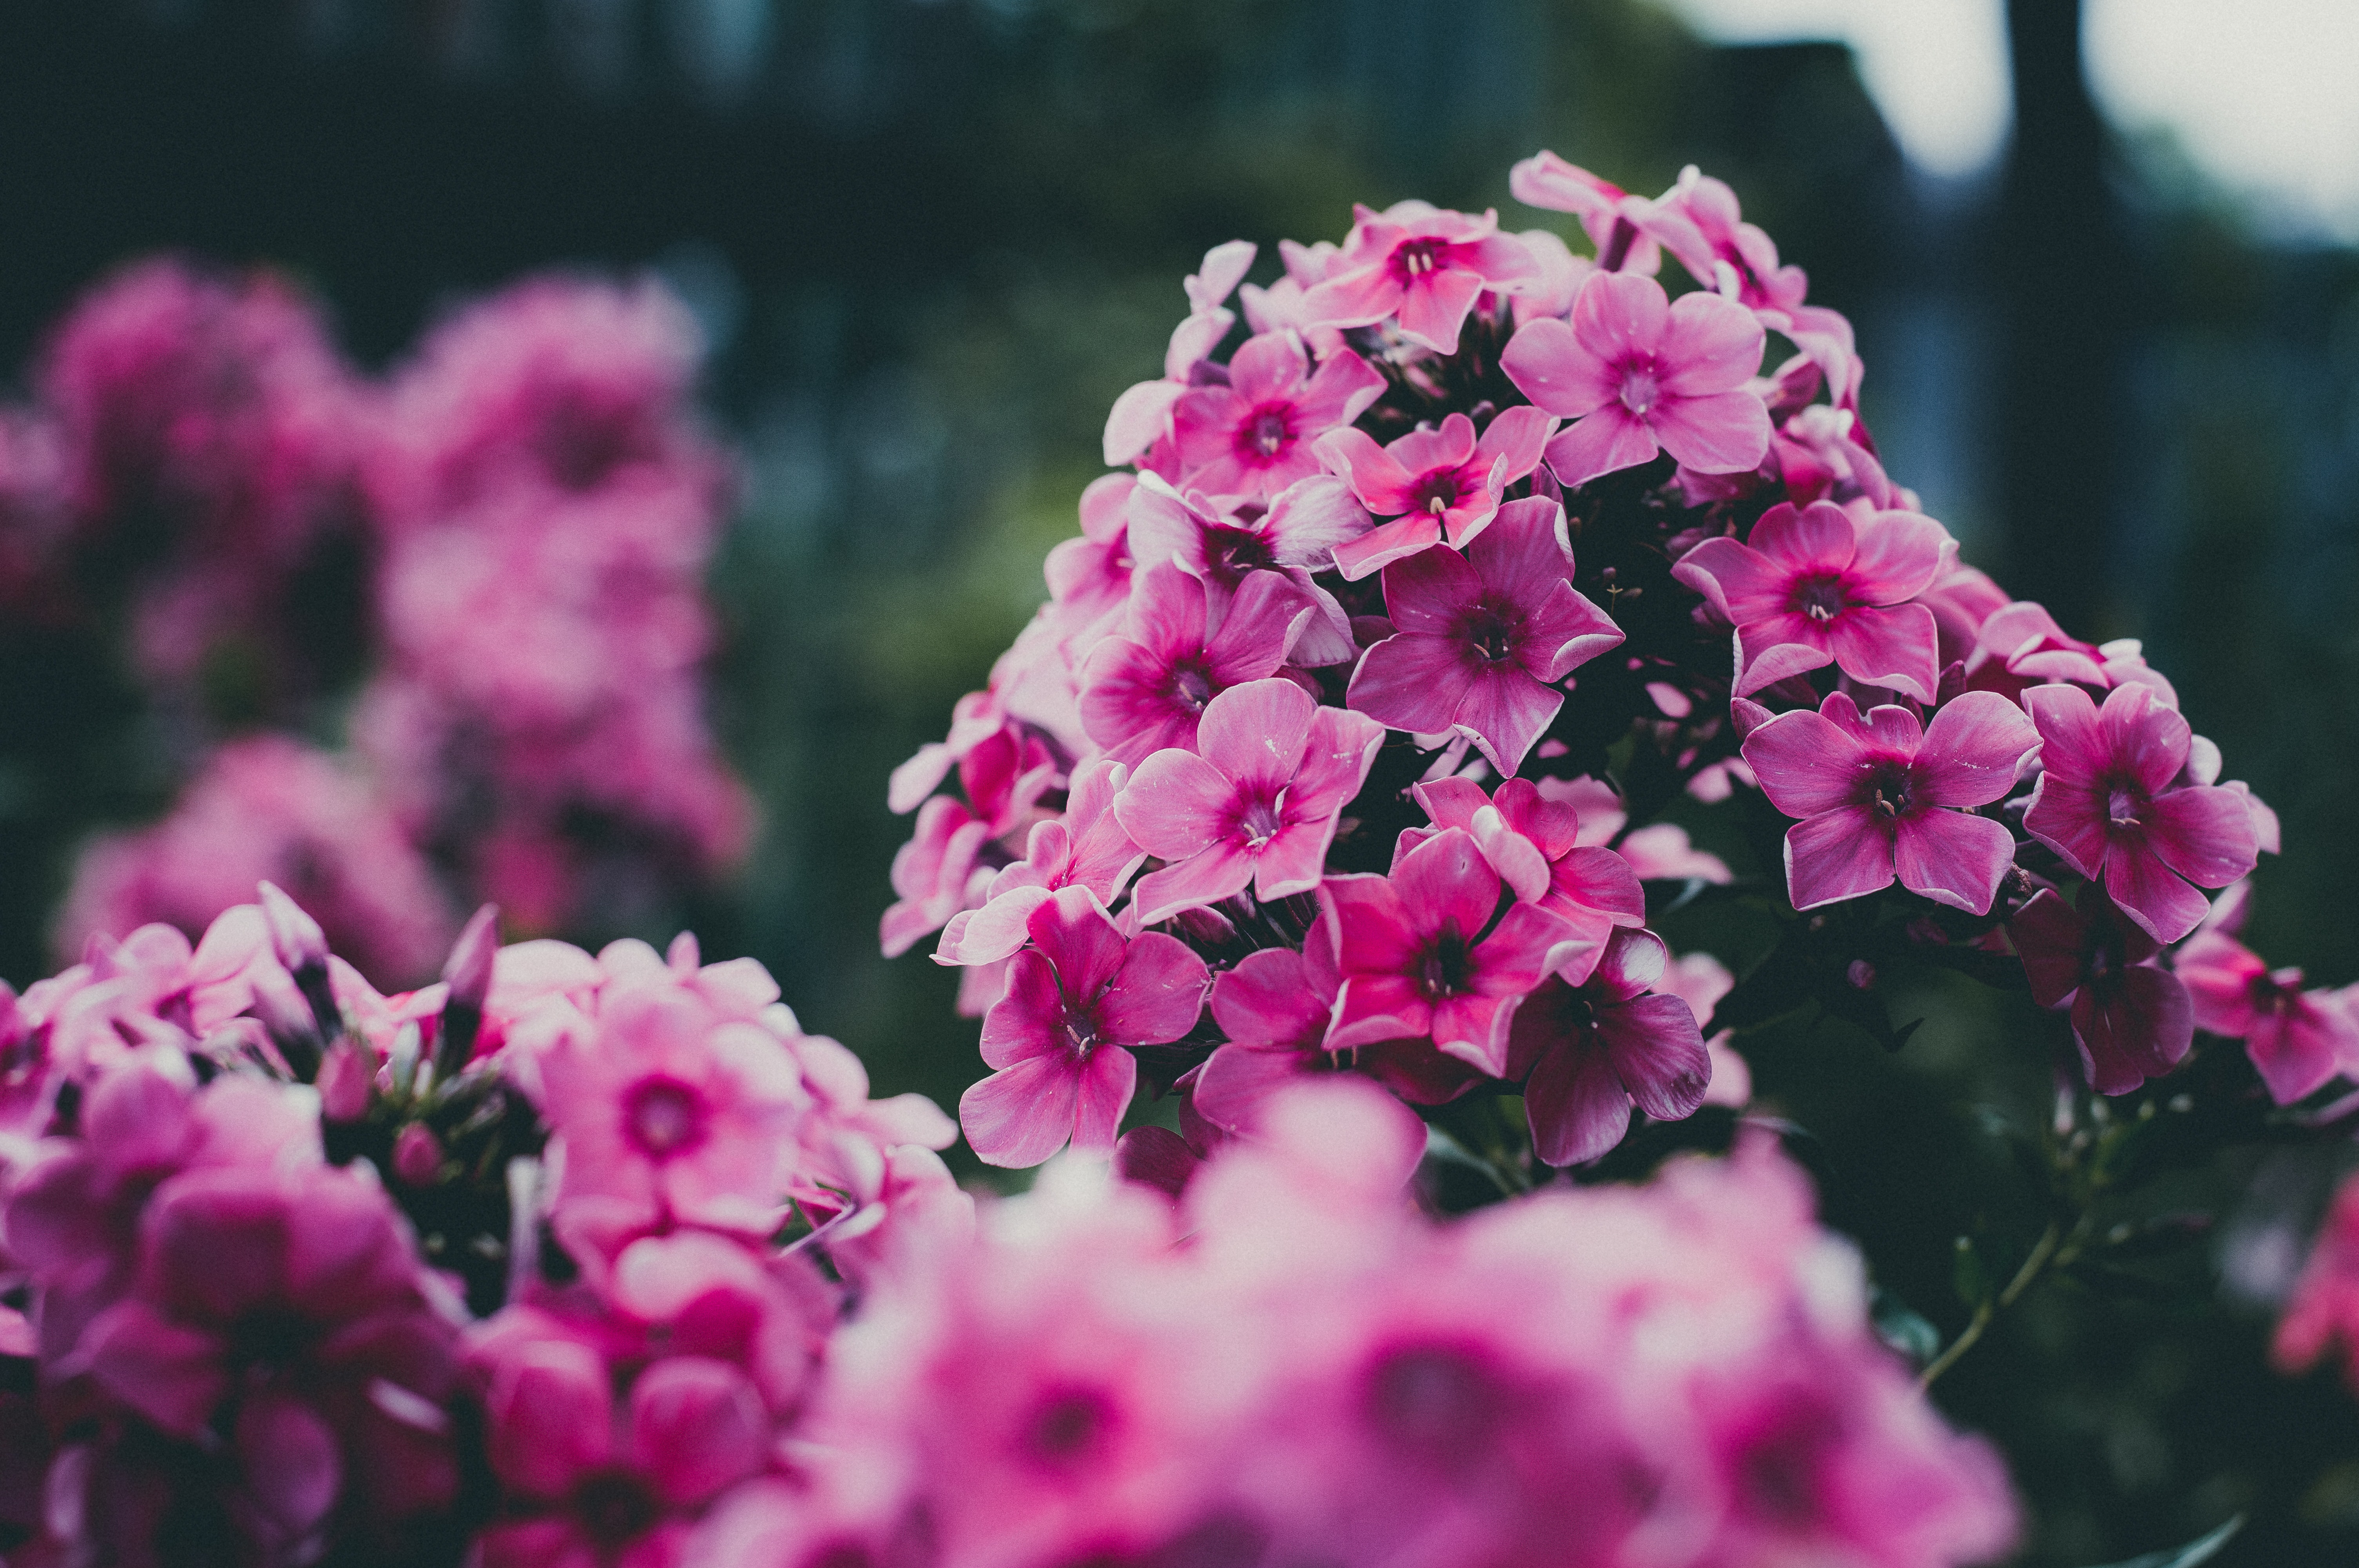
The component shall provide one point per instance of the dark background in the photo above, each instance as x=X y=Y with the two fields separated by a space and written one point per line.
x=930 y=240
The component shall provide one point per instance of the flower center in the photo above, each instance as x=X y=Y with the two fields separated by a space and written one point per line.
x=1640 y=390
x=1269 y=430
x=1066 y=1426
x=1080 y=1032
x=1437 y=493
x=1191 y=685
x=1447 y=967
x=2123 y=802
x=1419 y=258
x=1885 y=790
x=663 y=1116
x=1233 y=552
x=1259 y=821
x=1821 y=598
x=1491 y=627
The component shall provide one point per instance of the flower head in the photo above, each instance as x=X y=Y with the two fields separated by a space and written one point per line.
x=1480 y=637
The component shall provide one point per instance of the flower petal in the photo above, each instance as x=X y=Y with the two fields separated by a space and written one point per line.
x=1835 y=856
x=1973 y=750
x=1576 y=1106
x=1022 y=1114
x=1952 y=858
x=1804 y=762
x=1727 y=432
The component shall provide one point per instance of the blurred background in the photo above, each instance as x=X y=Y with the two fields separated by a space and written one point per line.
x=2100 y=257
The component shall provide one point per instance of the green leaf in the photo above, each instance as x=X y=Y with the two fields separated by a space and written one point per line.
x=2199 y=1551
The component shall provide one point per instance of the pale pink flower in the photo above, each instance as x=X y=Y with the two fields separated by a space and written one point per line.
x=1589 y=1051
x=1536 y=846
x=1421 y=265
x=1638 y=374
x=2131 y=1017
x=1253 y=437
x=1817 y=585
x=1255 y=804
x=1438 y=486
x=935 y=874
x=1299 y=531
x=1881 y=794
x=1481 y=637
x=1146 y=688
x=1420 y=958
x=1087 y=847
x=1058 y=1042
x=2109 y=803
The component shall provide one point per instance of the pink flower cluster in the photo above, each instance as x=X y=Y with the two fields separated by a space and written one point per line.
x=526 y=508
x=1460 y=559
x=232 y=1179
x=1293 y=1365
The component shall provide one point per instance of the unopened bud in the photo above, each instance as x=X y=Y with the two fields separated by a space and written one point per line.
x=345 y=1083
x=468 y=973
x=417 y=1155
x=295 y=936
x=1861 y=975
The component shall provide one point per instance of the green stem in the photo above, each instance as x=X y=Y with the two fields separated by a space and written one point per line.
x=2043 y=1251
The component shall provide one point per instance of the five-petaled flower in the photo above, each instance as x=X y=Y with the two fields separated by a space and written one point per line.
x=1253 y=437
x=2131 y=1017
x=1588 y=1050
x=2298 y=1039
x=1817 y=585
x=1421 y=265
x=1639 y=373
x=1078 y=997
x=1481 y=637
x=1437 y=485
x=2109 y=803
x=1882 y=795
x=1146 y=688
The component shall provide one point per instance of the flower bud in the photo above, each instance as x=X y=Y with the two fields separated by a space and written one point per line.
x=468 y=972
x=345 y=1083
x=417 y=1155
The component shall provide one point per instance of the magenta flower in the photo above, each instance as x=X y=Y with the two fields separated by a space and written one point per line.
x=1816 y=586
x=1882 y=795
x=1088 y=847
x=1590 y=1050
x=2109 y=804
x=1438 y=486
x=1253 y=437
x=2324 y=1309
x=285 y=1315
x=1146 y=688
x=1480 y=637
x=1301 y=528
x=1638 y=374
x=2131 y=1017
x=1255 y=802
x=1274 y=1007
x=1699 y=221
x=1421 y=959
x=1536 y=846
x=1077 y=1000
x=2298 y=1039
x=1422 y=266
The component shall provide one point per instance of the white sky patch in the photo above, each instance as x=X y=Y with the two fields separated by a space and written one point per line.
x=1937 y=68
x=2263 y=96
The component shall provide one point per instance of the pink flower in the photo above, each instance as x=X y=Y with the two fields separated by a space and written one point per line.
x=1480 y=637
x=2131 y=1017
x=285 y=1312
x=1591 y=1050
x=664 y=1105
x=1255 y=804
x=1607 y=213
x=1439 y=485
x=1420 y=958
x=1142 y=416
x=270 y=809
x=1698 y=221
x=935 y=874
x=1819 y=586
x=1422 y=266
x=2325 y=1304
x=1077 y=999
x=1275 y=1006
x=1638 y=374
x=1300 y=530
x=1088 y=847
x=1253 y=437
x=2019 y=645
x=2109 y=805
x=1536 y=846
x=1884 y=795
x=1699 y=980
x=2298 y=1039
x=1658 y=851
x=1146 y=688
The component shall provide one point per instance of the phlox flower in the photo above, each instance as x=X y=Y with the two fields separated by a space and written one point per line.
x=1421 y=265
x=2131 y=1017
x=1588 y=1050
x=1437 y=485
x=1639 y=373
x=1421 y=958
x=1821 y=585
x=1141 y=416
x=1547 y=182
x=1699 y=980
x=2324 y=1309
x=1255 y=802
x=1660 y=851
x=283 y=1314
x=1699 y=221
x=1882 y=795
x=1297 y=534
x=1535 y=845
x=1087 y=847
x=935 y=874
x=2019 y=645
x=1146 y=688
x=1274 y=1006
x=2110 y=804
x=1253 y=437
x=1077 y=1000
x=2298 y=1039
x=1480 y=637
